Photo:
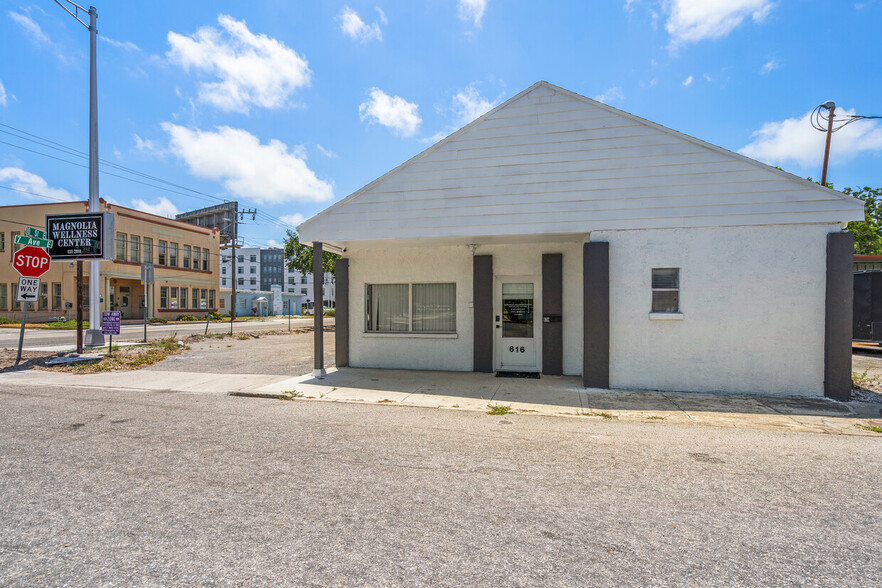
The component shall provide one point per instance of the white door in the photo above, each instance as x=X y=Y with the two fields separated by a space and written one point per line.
x=517 y=332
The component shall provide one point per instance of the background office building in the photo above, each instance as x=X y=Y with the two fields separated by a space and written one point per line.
x=185 y=258
x=259 y=269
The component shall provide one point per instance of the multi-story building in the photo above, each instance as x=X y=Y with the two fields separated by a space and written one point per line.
x=185 y=259
x=258 y=269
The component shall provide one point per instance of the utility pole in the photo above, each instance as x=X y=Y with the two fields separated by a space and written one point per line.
x=93 y=335
x=830 y=106
x=817 y=119
x=237 y=215
x=234 y=231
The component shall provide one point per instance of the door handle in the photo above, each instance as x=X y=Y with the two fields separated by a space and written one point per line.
x=497 y=326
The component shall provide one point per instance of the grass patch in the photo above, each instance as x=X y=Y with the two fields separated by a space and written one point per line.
x=498 y=409
x=603 y=415
x=861 y=380
x=71 y=324
x=130 y=358
x=291 y=395
x=655 y=418
x=873 y=428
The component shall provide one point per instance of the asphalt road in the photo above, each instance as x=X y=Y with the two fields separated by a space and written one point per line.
x=51 y=337
x=109 y=487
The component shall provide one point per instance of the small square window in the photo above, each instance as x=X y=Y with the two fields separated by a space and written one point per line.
x=665 y=290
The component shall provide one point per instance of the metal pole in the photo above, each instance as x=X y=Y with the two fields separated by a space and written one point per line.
x=207 y=322
x=145 y=310
x=234 y=234
x=319 y=343
x=94 y=336
x=24 y=319
x=80 y=306
x=827 y=147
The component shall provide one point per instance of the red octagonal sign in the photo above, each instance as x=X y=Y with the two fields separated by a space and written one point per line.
x=31 y=262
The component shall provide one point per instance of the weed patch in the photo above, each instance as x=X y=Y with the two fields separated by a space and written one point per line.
x=290 y=395
x=872 y=428
x=498 y=409
x=603 y=415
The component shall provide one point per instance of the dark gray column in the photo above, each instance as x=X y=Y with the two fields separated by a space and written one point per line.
x=341 y=315
x=482 y=300
x=318 y=280
x=837 y=327
x=552 y=314
x=595 y=315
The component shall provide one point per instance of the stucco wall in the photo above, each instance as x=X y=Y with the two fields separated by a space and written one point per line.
x=752 y=300
x=454 y=264
x=402 y=265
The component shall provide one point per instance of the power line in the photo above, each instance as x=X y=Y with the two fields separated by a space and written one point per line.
x=48 y=143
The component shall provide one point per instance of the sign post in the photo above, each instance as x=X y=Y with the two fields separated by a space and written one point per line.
x=31 y=262
x=146 y=280
x=110 y=320
x=28 y=289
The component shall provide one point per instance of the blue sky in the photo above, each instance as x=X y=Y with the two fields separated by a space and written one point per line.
x=289 y=106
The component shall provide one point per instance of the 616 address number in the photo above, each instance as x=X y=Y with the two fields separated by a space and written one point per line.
x=515 y=349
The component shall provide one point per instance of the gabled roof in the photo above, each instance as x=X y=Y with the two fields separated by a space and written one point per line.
x=549 y=161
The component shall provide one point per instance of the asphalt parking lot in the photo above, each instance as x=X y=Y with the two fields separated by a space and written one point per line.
x=154 y=488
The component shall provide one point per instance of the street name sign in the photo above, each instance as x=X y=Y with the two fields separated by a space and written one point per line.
x=146 y=273
x=27 y=240
x=31 y=262
x=87 y=235
x=110 y=320
x=37 y=233
x=28 y=289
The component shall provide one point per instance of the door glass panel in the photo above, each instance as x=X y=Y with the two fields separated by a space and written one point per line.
x=517 y=310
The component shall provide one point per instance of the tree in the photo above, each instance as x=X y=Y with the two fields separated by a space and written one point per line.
x=298 y=256
x=867 y=234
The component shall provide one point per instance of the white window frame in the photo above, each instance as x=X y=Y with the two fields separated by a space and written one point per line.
x=665 y=314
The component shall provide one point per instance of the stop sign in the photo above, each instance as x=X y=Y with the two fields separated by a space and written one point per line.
x=31 y=262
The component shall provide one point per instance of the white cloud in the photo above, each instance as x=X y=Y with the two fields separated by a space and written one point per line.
x=145 y=145
x=472 y=11
x=688 y=82
x=794 y=140
x=353 y=27
x=274 y=244
x=33 y=186
x=690 y=21
x=770 y=66
x=391 y=111
x=31 y=27
x=326 y=152
x=267 y=173
x=614 y=94
x=161 y=207
x=292 y=219
x=3 y=99
x=126 y=45
x=254 y=70
x=469 y=104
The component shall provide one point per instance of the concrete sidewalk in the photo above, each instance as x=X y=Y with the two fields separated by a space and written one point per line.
x=549 y=396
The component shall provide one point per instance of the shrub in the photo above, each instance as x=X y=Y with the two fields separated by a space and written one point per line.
x=216 y=316
x=329 y=312
x=8 y=321
x=187 y=317
x=157 y=321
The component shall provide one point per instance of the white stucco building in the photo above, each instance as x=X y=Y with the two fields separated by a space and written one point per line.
x=258 y=269
x=556 y=234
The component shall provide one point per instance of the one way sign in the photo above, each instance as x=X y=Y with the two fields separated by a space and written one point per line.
x=28 y=289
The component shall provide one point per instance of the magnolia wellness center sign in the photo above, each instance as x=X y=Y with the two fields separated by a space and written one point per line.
x=87 y=235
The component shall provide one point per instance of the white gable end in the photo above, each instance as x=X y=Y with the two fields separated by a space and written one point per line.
x=549 y=162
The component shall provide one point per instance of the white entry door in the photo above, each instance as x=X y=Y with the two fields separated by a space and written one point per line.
x=517 y=332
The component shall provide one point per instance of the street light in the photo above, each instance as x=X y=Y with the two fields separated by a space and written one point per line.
x=819 y=118
x=93 y=335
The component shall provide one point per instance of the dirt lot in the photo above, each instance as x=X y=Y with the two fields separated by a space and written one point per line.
x=277 y=353
x=255 y=352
